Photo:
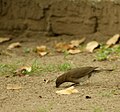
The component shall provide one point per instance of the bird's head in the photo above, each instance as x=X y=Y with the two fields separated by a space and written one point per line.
x=59 y=81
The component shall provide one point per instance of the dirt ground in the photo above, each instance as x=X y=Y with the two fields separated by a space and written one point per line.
x=38 y=96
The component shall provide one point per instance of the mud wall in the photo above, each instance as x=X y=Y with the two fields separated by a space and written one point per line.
x=71 y=17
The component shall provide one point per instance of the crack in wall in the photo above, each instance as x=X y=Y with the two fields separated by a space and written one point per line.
x=96 y=24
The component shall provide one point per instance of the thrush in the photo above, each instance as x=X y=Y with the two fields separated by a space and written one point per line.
x=76 y=74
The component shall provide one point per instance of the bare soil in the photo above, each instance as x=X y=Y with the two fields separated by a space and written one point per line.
x=38 y=96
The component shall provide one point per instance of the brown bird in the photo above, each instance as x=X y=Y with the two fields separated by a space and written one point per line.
x=75 y=75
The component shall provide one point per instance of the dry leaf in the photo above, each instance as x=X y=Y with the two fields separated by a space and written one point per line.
x=68 y=91
x=27 y=68
x=46 y=81
x=42 y=53
x=61 y=46
x=42 y=50
x=14 y=86
x=74 y=51
x=76 y=43
x=14 y=45
x=91 y=46
x=23 y=70
x=4 y=39
x=113 y=40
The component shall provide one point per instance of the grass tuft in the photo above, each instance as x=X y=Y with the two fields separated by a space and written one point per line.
x=103 y=53
x=97 y=110
x=37 y=68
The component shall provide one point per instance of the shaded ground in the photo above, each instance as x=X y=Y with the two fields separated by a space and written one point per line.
x=38 y=96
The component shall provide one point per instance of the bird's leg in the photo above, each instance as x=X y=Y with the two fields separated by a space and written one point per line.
x=89 y=75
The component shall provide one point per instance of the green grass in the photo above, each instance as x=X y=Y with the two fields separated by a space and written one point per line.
x=42 y=110
x=37 y=67
x=97 y=110
x=66 y=54
x=109 y=93
x=106 y=94
x=26 y=50
x=103 y=53
x=40 y=68
x=7 y=69
x=64 y=66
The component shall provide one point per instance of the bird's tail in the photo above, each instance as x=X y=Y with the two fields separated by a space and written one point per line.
x=102 y=69
x=106 y=69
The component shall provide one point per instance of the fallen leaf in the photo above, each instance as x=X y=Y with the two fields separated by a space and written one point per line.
x=68 y=91
x=13 y=86
x=113 y=40
x=76 y=43
x=42 y=50
x=46 y=81
x=23 y=70
x=14 y=45
x=91 y=46
x=42 y=53
x=27 y=68
x=74 y=51
x=61 y=46
x=3 y=39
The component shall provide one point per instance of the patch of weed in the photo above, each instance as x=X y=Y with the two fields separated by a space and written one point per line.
x=42 y=110
x=66 y=53
x=10 y=68
x=104 y=52
x=6 y=69
x=106 y=94
x=97 y=110
x=116 y=49
x=109 y=93
x=37 y=68
x=64 y=66
x=26 y=50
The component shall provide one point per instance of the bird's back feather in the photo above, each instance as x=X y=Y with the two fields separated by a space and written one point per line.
x=80 y=72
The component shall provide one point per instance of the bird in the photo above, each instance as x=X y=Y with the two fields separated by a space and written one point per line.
x=76 y=74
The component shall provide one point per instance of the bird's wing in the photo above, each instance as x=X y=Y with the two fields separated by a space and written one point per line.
x=81 y=72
